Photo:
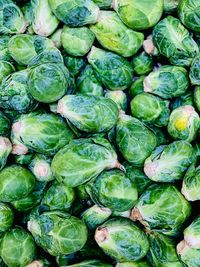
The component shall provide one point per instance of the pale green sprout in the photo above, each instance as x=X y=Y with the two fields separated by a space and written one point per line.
x=189 y=256
x=56 y=38
x=191 y=234
x=5 y=150
x=119 y=97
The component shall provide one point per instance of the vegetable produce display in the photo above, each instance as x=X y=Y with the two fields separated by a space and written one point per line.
x=99 y=133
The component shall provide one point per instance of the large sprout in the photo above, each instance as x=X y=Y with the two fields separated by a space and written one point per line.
x=139 y=15
x=117 y=231
x=113 y=35
x=7 y=217
x=66 y=234
x=168 y=163
x=174 y=41
x=162 y=208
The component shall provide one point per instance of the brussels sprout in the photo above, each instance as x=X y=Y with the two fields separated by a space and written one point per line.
x=65 y=234
x=142 y=63
x=184 y=123
x=90 y=114
x=28 y=14
x=77 y=41
x=113 y=35
x=151 y=109
x=161 y=135
x=48 y=82
x=197 y=97
x=191 y=234
x=90 y=263
x=14 y=94
x=56 y=38
x=194 y=71
x=122 y=240
x=135 y=141
x=114 y=190
x=168 y=163
x=162 y=251
x=95 y=215
x=75 y=13
x=139 y=15
x=103 y=4
x=40 y=166
x=170 y=5
x=174 y=41
x=58 y=197
x=7 y=217
x=6 y=68
x=191 y=181
x=4 y=125
x=5 y=150
x=189 y=256
x=24 y=47
x=114 y=71
x=141 y=263
x=183 y=100
x=33 y=199
x=23 y=159
x=167 y=82
x=12 y=20
x=119 y=97
x=137 y=176
x=149 y=46
x=44 y=133
x=162 y=208
x=137 y=86
x=17 y=248
x=88 y=83
x=4 y=52
x=44 y=22
x=74 y=64
x=188 y=11
x=15 y=182
x=83 y=159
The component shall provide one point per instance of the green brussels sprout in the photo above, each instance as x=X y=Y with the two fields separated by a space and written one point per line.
x=16 y=182
x=194 y=71
x=137 y=86
x=58 y=197
x=4 y=52
x=103 y=4
x=77 y=41
x=113 y=35
x=88 y=83
x=150 y=109
x=65 y=234
x=139 y=15
x=184 y=123
x=56 y=38
x=168 y=163
x=44 y=22
x=5 y=150
x=188 y=11
x=17 y=248
x=24 y=47
x=189 y=256
x=12 y=20
x=191 y=183
x=119 y=97
x=7 y=217
x=114 y=190
x=14 y=93
x=83 y=159
x=135 y=141
x=122 y=240
x=28 y=14
x=162 y=208
x=33 y=199
x=40 y=166
x=23 y=159
x=95 y=215
x=82 y=193
x=191 y=234
x=183 y=100
x=141 y=263
x=44 y=133
x=4 y=125
x=90 y=263
x=174 y=41
x=162 y=251
x=6 y=68
x=167 y=82
x=48 y=82
x=197 y=97
x=142 y=63
x=137 y=176
x=90 y=114
x=74 y=64
x=149 y=46
x=170 y=5
x=75 y=13
x=114 y=71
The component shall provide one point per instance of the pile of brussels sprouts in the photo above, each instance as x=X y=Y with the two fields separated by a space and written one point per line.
x=99 y=133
